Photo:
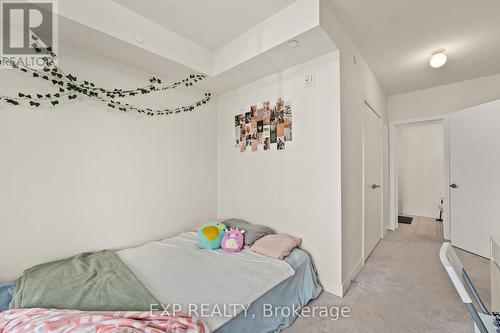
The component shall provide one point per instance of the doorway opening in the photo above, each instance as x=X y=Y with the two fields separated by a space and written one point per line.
x=418 y=177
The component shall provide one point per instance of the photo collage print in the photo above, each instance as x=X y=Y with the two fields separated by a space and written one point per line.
x=266 y=128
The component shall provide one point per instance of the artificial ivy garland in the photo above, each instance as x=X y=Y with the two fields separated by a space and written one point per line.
x=69 y=86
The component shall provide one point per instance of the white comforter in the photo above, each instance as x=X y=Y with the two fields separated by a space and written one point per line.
x=212 y=285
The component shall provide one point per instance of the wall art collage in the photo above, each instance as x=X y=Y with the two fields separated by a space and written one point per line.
x=268 y=127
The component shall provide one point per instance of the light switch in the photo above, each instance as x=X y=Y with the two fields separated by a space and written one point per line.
x=309 y=80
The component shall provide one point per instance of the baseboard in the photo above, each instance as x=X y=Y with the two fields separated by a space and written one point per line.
x=331 y=287
x=352 y=275
x=419 y=213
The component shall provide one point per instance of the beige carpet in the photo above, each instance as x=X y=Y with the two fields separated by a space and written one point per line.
x=403 y=288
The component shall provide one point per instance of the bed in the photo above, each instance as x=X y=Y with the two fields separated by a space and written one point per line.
x=235 y=288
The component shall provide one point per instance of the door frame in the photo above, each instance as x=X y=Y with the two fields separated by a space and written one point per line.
x=393 y=179
x=382 y=189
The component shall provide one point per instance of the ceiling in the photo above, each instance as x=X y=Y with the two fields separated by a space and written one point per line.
x=94 y=38
x=396 y=38
x=211 y=23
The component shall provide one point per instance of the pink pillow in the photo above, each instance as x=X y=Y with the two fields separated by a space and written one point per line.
x=276 y=246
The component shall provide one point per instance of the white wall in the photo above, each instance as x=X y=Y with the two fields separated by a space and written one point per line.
x=420 y=169
x=296 y=191
x=443 y=99
x=358 y=83
x=80 y=178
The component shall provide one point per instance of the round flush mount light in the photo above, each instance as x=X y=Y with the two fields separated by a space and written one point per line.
x=139 y=38
x=293 y=43
x=438 y=58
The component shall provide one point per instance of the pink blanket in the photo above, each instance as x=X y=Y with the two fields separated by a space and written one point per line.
x=73 y=321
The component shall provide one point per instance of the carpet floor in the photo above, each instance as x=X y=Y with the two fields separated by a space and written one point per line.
x=402 y=288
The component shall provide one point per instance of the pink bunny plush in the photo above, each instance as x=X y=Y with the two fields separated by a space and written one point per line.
x=233 y=240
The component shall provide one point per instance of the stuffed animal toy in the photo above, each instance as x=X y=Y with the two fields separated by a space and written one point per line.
x=210 y=235
x=233 y=240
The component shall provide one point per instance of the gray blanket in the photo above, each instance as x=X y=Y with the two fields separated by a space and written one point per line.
x=97 y=281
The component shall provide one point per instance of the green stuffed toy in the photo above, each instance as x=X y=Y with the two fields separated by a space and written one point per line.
x=211 y=234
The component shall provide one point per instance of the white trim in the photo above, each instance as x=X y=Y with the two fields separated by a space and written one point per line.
x=419 y=120
x=447 y=182
x=385 y=178
x=331 y=287
x=420 y=213
x=363 y=180
x=393 y=179
x=393 y=188
x=350 y=278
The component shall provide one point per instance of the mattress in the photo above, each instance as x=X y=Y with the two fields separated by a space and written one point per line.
x=290 y=283
x=210 y=284
x=293 y=293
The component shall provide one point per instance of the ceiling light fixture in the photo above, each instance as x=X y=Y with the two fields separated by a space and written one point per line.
x=293 y=43
x=438 y=58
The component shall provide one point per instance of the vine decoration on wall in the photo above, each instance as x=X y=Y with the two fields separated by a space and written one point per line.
x=70 y=86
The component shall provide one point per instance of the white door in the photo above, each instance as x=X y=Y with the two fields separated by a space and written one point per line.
x=475 y=177
x=372 y=194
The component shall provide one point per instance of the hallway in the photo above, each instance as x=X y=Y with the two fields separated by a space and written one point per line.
x=424 y=226
x=403 y=288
